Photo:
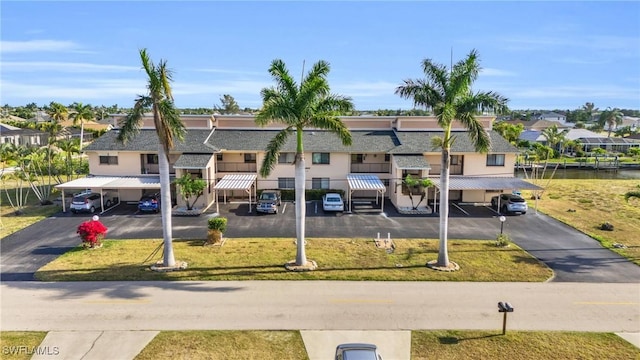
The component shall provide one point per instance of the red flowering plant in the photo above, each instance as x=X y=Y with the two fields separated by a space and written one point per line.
x=92 y=232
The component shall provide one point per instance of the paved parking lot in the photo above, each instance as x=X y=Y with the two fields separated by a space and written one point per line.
x=572 y=255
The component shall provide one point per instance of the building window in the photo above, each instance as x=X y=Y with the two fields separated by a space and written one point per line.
x=385 y=182
x=108 y=160
x=416 y=175
x=219 y=157
x=455 y=160
x=387 y=157
x=286 y=183
x=495 y=160
x=286 y=158
x=357 y=158
x=320 y=183
x=320 y=158
x=249 y=158
x=152 y=158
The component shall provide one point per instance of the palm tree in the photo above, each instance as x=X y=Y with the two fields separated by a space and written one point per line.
x=449 y=95
x=168 y=126
x=81 y=114
x=554 y=136
x=309 y=104
x=70 y=147
x=611 y=117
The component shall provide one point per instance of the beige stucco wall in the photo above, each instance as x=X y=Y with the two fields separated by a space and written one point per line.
x=430 y=123
x=476 y=164
x=336 y=170
x=128 y=163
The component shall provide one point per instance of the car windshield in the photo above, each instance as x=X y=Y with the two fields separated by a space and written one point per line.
x=333 y=199
x=517 y=199
x=359 y=355
x=268 y=196
x=78 y=199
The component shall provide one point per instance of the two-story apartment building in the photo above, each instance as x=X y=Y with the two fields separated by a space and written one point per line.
x=227 y=151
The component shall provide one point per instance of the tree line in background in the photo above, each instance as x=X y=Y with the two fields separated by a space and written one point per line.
x=587 y=115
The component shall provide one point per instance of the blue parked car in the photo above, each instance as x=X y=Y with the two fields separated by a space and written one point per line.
x=149 y=202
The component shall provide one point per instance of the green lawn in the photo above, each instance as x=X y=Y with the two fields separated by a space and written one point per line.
x=18 y=345
x=433 y=344
x=264 y=259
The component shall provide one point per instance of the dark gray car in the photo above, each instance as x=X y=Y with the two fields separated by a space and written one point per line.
x=357 y=351
x=269 y=201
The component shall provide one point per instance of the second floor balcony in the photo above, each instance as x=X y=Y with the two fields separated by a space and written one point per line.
x=239 y=167
x=371 y=168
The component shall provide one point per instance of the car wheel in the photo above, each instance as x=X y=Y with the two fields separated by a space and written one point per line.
x=92 y=210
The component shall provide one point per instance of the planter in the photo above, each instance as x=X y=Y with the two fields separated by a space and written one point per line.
x=214 y=237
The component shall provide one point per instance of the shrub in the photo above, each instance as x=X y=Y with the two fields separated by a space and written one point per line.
x=503 y=240
x=218 y=223
x=92 y=232
x=607 y=226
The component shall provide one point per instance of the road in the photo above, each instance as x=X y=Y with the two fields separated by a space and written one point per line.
x=317 y=305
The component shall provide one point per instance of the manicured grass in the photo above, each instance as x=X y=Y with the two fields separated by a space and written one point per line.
x=594 y=202
x=264 y=259
x=443 y=344
x=226 y=345
x=32 y=213
x=521 y=345
x=18 y=345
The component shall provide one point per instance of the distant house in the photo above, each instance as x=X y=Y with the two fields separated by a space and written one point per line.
x=551 y=116
x=19 y=136
x=587 y=139
x=540 y=124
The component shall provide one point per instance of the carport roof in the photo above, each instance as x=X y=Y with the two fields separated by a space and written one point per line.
x=486 y=183
x=365 y=182
x=404 y=162
x=113 y=182
x=236 y=182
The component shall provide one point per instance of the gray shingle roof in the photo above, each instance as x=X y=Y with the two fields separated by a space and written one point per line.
x=147 y=140
x=376 y=141
x=411 y=162
x=418 y=142
x=192 y=161
x=319 y=141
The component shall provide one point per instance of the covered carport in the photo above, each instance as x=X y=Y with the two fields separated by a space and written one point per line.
x=246 y=182
x=486 y=183
x=365 y=182
x=99 y=183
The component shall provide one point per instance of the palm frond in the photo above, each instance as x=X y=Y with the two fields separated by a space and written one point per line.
x=131 y=125
x=273 y=150
x=284 y=81
x=335 y=125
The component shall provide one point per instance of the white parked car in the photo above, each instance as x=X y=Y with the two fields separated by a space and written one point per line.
x=332 y=202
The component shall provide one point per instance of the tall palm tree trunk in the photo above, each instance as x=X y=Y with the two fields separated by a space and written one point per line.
x=301 y=209
x=165 y=207
x=81 y=133
x=443 y=255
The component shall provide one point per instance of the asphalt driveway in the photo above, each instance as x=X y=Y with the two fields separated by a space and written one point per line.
x=573 y=256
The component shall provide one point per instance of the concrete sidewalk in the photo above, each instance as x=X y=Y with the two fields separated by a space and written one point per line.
x=93 y=345
x=126 y=345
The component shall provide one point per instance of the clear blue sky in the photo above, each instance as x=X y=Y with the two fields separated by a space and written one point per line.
x=539 y=54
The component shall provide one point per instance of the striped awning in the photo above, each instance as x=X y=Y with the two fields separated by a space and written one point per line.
x=236 y=182
x=112 y=182
x=365 y=182
x=486 y=183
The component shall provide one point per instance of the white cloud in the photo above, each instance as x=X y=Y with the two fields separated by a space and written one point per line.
x=37 y=46
x=496 y=72
x=33 y=66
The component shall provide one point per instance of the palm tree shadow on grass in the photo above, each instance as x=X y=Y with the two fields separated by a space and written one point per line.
x=453 y=340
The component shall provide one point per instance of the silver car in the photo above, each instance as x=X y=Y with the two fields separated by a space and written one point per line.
x=88 y=202
x=357 y=351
